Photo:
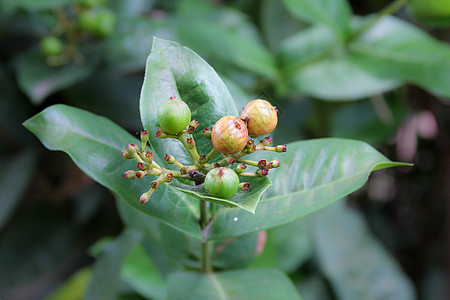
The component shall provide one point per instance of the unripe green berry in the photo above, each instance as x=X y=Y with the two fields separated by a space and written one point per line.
x=51 y=46
x=173 y=115
x=261 y=117
x=99 y=20
x=229 y=135
x=222 y=183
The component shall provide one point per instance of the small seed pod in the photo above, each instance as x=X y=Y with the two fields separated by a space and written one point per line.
x=184 y=170
x=131 y=149
x=169 y=158
x=222 y=183
x=230 y=160
x=266 y=141
x=262 y=172
x=192 y=126
x=168 y=177
x=244 y=186
x=229 y=135
x=216 y=165
x=207 y=133
x=202 y=158
x=281 y=148
x=193 y=173
x=262 y=163
x=130 y=174
x=142 y=166
x=140 y=174
x=154 y=184
x=173 y=115
x=144 y=198
x=127 y=155
x=144 y=136
x=261 y=115
x=148 y=157
x=240 y=168
x=191 y=143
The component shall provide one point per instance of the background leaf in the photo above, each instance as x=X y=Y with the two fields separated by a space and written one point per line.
x=357 y=266
x=39 y=80
x=105 y=279
x=396 y=49
x=174 y=70
x=236 y=285
x=333 y=13
x=95 y=144
x=313 y=174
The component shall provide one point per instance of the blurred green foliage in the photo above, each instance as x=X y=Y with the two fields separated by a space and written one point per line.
x=330 y=76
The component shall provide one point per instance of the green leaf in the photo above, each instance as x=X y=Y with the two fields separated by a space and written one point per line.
x=15 y=176
x=33 y=5
x=333 y=13
x=231 y=48
x=287 y=247
x=247 y=200
x=395 y=49
x=237 y=253
x=105 y=279
x=39 y=80
x=315 y=63
x=357 y=266
x=139 y=272
x=95 y=145
x=74 y=287
x=313 y=174
x=268 y=284
x=174 y=70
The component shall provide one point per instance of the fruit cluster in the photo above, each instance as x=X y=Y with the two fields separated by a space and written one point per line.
x=229 y=137
x=85 y=19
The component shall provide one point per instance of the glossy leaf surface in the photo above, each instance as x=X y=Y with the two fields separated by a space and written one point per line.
x=95 y=144
x=174 y=70
x=313 y=174
x=268 y=284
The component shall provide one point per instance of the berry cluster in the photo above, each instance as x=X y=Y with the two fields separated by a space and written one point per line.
x=230 y=138
x=83 y=20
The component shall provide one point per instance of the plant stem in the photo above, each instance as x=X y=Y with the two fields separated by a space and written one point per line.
x=388 y=10
x=205 y=258
x=211 y=154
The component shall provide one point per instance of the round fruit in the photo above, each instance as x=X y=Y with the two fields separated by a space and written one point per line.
x=229 y=135
x=221 y=182
x=51 y=45
x=261 y=117
x=99 y=20
x=173 y=115
x=431 y=12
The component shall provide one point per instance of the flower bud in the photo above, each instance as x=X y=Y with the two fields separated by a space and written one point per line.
x=240 y=168
x=281 y=148
x=207 y=133
x=130 y=174
x=262 y=163
x=127 y=155
x=266 y=141
x=144 y=136
x=274 y=163
x=192 y=126
x=184 y=170
x=262 y=172
x=168 y=177
x=191 y=143
x=244 y=186
x=131 y=149
x=140 y=174
x=169 y=158
x=142 y=166
x=144 y=197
